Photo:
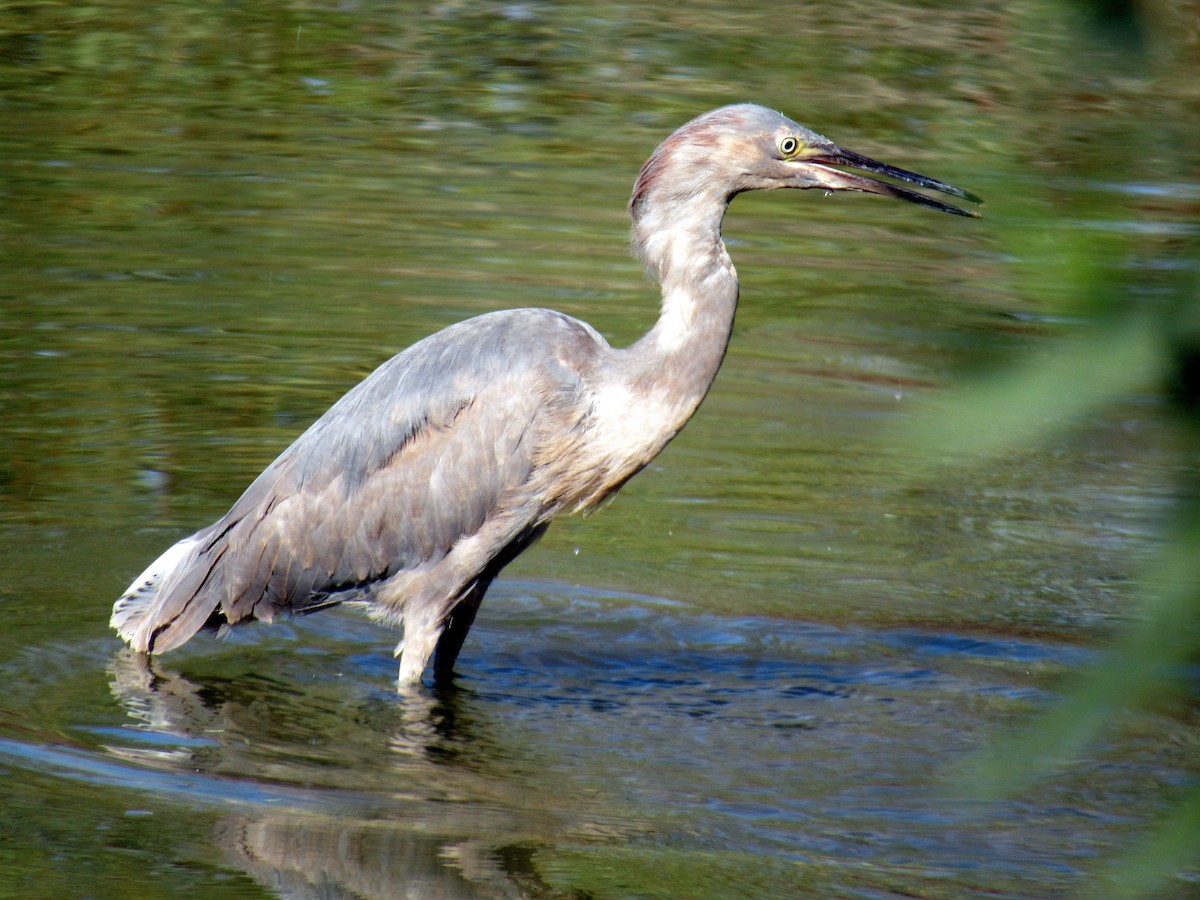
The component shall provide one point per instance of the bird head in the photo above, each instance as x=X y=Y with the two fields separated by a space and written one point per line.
x=746 y=147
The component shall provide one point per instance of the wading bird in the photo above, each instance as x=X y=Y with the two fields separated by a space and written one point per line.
x=417 y=487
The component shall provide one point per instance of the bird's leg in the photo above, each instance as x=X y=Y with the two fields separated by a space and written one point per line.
x=420 y=638
x=458 y=623
x=414 y=652
x=439 y=614
x=431 y=634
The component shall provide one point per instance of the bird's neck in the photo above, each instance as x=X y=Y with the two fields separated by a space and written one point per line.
x=679 y=239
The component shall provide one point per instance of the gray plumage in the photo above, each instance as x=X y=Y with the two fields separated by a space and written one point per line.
x=417 y=487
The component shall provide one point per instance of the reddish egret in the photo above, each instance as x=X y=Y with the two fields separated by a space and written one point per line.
x=417 y=487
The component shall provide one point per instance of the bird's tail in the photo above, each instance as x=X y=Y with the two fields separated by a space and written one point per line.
x=148 y=606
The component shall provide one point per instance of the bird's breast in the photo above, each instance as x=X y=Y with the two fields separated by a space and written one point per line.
x=622 y=431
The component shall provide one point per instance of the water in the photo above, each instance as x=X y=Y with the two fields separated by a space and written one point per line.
x=762 y=670
x=728 y=744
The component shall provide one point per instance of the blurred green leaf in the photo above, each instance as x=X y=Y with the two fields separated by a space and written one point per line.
x=1038 y=397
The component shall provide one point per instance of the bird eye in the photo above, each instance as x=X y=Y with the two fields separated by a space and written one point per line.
x=788 y=145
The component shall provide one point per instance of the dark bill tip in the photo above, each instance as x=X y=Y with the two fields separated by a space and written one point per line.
x=903 y=193
x=852 y=181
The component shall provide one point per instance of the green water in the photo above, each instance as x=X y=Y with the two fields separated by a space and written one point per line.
x=747 y=676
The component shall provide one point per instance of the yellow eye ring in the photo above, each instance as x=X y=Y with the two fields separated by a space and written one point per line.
x=789 y=145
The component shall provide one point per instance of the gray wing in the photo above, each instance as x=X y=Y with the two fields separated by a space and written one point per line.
x=411 y=461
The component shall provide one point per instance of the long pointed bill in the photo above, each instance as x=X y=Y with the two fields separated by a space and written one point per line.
x=838 y=180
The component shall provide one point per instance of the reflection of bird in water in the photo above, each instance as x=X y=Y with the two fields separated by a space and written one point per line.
x=332 y=792
x=416 y=488
x=251 y=723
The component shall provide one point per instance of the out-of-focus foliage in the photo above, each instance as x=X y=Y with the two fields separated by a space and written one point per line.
x=1130 y=312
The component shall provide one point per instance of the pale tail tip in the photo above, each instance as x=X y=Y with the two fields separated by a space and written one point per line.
x=130 y=612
